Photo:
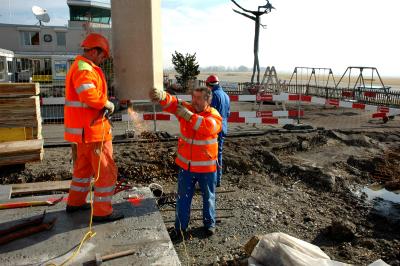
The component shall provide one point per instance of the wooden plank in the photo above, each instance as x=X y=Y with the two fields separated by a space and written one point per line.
x=21 y=158
x=5 y=192
x=14 y=134
x=32 y=131
x=40 y=187
x=28 y=106
x=26 y=121
x=19 y=89
x=12 y=147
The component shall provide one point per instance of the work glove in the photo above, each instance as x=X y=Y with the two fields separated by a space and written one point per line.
x=183 y=112
x=110 y=107
x=157 y=95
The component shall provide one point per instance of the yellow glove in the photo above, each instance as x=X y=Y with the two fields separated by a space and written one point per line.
x=183 y=112
x=157 y=95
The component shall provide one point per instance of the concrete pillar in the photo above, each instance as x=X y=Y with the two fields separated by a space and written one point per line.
x=137 y=47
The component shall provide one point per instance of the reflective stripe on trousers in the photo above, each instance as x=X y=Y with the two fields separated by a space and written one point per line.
x=81 y=179
x=102 y=199
x=79 y=189
x=104 y=189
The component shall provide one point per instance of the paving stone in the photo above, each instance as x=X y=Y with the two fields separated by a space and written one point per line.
x=142 y=229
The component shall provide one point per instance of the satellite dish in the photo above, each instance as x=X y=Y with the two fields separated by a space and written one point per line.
x=40 y=14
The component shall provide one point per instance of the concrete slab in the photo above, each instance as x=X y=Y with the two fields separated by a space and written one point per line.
x=5 y=192
x=142 y=229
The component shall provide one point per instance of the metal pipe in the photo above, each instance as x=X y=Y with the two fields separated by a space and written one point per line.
x=154 y=118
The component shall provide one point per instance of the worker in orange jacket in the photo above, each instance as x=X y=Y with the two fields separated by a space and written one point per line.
x=196 y=155
x=87 y=127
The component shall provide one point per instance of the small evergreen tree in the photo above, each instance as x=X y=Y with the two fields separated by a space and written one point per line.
x=187 y=69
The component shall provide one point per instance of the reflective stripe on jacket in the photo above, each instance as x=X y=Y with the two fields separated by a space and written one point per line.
x=198 y=143
x=85 y=97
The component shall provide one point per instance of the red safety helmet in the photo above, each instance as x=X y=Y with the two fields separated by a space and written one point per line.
x=212 y=80
x=94 y=40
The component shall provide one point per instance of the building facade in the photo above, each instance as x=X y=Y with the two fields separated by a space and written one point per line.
x=42 y=53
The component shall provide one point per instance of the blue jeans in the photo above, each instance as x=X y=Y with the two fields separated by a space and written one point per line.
x=186 y=186
x=219 y=168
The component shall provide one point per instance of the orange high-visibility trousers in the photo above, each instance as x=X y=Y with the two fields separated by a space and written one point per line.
x=85 y=168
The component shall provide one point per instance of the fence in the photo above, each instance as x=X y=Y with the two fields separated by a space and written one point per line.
x=389 y=98
x=52 y=93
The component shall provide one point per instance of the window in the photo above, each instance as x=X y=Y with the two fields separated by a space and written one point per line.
x=47 y=66
x=61 y=40
x=30 y=38
x=92 y=14
x=10 y=67
x=2 y=70
x=23 y=64
x=36 y=67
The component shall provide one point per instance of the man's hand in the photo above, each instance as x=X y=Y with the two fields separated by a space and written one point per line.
x=109 y=106
x=183 y=112
x=157 y=95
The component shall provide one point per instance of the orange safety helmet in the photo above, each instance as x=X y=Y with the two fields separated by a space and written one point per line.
x=94 y=40
x=212 y=80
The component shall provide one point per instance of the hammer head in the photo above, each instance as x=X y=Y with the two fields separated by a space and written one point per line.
x=99 y=260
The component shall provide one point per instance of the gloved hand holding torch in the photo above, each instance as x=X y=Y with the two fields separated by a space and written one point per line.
x=110 y=107
x=157 y=95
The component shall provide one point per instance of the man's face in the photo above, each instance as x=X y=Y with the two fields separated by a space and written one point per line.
x=98 y=56
x=199 y=101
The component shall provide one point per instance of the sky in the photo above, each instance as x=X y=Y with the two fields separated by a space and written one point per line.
x=311 y=33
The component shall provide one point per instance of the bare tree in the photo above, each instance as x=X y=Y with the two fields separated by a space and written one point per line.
x=265 y=9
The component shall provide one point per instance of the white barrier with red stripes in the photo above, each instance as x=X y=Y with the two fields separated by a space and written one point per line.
x=379 y=111
x=234 y=118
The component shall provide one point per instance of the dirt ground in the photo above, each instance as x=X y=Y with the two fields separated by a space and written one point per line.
x=306 y=184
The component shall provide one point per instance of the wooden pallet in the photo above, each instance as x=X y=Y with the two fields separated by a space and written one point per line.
x=20 y=124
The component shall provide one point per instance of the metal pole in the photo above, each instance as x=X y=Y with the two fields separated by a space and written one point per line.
x=154 y=117
x=298 y=107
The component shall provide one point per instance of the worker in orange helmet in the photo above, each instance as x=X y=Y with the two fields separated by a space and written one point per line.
x=87 y=127
x=196 y=156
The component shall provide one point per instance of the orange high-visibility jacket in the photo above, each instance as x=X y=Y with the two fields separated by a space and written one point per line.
x=85 y=97
x=198 y=142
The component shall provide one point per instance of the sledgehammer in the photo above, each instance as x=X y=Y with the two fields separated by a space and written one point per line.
x=100 y=259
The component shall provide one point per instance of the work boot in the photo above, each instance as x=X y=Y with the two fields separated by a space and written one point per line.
x=210 y=231
x=115 y=215
x=179 y=235
x=70 y=209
